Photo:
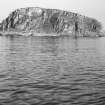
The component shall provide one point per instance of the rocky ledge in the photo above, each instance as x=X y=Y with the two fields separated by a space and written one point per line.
x=38 y=21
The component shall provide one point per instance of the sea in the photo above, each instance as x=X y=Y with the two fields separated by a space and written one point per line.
x=57 y=70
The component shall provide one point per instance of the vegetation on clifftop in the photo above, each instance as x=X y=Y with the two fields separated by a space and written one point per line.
x=41 y=20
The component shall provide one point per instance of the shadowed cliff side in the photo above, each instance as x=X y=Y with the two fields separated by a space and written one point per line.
x=50 y=21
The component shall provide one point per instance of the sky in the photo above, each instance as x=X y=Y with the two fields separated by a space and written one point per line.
x=90 y=8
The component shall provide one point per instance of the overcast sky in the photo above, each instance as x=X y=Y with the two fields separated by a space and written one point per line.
x=91 y=8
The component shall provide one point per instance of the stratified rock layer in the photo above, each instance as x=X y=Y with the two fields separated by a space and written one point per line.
x=40 y=20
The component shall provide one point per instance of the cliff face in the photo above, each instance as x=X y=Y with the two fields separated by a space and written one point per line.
x=42 y=20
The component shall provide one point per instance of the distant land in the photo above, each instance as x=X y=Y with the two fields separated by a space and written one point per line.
x=38 y=21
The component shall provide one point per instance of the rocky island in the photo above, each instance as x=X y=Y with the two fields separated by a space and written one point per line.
x=40 y=21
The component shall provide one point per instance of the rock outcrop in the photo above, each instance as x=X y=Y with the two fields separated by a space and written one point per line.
x=49 y=21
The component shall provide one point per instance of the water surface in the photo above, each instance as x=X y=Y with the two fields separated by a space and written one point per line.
x=52 y=71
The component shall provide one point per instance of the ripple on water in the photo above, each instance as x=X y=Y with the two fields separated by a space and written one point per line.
x=52 y=71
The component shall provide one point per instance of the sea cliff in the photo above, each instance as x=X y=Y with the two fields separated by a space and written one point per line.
x=38 y=21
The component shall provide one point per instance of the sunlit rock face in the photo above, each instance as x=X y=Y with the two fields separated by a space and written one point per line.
x=35 y=12
x=43 y=20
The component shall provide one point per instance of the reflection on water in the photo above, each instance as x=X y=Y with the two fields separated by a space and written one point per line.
x=52 y=71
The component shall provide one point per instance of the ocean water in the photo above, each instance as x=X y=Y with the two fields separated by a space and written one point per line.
x=52 y=71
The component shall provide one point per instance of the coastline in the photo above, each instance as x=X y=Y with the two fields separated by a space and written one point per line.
x=11 y=33
x=5 y=33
